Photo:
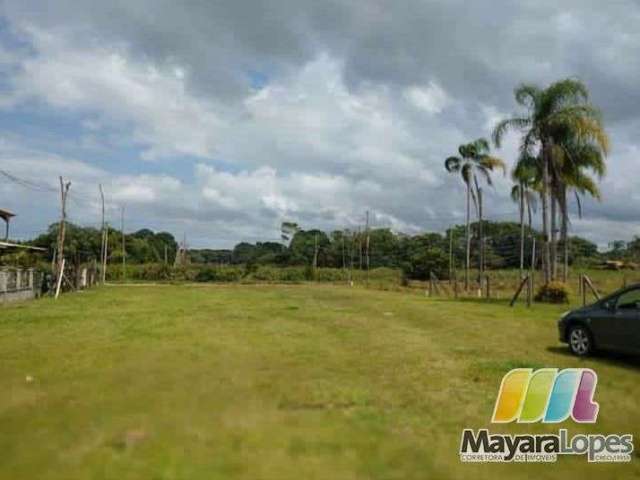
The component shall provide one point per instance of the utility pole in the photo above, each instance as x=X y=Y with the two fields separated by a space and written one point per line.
x=102 y=244
x=359 y=248
x=344 y=260
x=106 y=253
x=315 y=253
x=480 y=233
x=184 y=248
x=124 y=252
x=367 y=239
x=165 y=254
x=351 y=248
x=450 y=253
x=64 y=190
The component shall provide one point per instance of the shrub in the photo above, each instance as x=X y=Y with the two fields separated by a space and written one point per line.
x=553 y=292
x=185 y=273
x=153 y=271
x=219 y=274
x=277 y=274
x=331 y=275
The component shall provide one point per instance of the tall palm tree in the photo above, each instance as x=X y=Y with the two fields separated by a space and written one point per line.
x=575 y=161
x=474 y=160
x=560 y=111
x=524 y=176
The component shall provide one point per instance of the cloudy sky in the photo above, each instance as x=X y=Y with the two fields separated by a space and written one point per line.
x=223 y=118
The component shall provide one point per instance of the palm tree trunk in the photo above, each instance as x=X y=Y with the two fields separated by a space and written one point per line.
x=554 y=232
x=564 y=234
x=546 y=254
x=521 y=230
x=530 y=219
x=480 y=237
x=468 y=259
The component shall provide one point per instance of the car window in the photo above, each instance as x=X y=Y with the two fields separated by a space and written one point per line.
x=630 y=299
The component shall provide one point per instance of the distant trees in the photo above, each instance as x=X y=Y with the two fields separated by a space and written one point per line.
x=82 y=244
x=417 y=255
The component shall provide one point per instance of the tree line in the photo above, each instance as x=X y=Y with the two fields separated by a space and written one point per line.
x=417 y=255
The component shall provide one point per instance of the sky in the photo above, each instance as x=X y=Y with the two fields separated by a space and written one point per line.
x=220 y=119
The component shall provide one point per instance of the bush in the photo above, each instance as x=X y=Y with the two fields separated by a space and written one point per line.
x=553 y=292
x=154 y=271
x=331 y=275
x=219 y=274
x=279 y=274
x=251 y=273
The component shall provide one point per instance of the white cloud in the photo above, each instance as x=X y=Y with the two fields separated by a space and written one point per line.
x=431 y=98
x=105 y=82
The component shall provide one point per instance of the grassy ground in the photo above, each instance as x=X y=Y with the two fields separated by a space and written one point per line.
x=276 y=382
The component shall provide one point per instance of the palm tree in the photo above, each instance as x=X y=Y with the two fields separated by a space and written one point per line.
x=524 y=174
x=474 y=160
x=574 y=160
x=560 y=111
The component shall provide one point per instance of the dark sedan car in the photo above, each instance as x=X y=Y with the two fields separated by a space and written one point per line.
x=612 y=323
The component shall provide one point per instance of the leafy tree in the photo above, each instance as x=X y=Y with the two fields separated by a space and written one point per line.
x=310 y=246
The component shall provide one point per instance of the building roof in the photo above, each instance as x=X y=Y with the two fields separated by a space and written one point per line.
x=6 y=215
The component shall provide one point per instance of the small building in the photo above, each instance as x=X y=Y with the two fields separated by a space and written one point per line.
x=16 y=283
x=6 y=215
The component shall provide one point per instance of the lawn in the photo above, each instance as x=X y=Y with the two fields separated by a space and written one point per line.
x=277 y=382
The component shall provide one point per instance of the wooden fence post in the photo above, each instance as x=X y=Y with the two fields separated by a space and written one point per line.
x=455 y=286
x=59 y=279
x=520 y=287
x=591 y=287
x=580 y=285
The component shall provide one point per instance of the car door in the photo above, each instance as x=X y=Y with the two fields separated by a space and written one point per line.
x=625 y=321
x=601 y=318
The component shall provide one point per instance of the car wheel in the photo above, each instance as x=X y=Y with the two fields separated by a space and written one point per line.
x=580 y=341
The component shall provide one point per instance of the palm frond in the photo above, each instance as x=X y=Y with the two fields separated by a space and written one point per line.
x=481 y=146
x=525 y=170
x=486 y=174
x=515 y=193
x=590 y=129
x=527 y=95
x=453 y=164
x=492 y=163
x=579 y=204
x=563 y=92
x=501 y=129
x=585 y=185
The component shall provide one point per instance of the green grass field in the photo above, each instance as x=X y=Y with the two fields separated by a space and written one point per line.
x=277 y=382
